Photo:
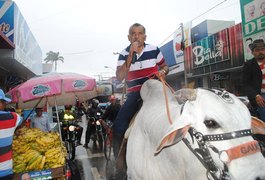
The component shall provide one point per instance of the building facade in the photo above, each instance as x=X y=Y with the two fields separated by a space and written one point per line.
x=20 y=54
x=212 y=61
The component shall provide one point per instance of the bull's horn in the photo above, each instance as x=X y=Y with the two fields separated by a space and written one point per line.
x=185 y=94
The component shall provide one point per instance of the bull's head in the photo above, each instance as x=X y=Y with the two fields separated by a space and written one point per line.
x=182 y=124
x=179 y=128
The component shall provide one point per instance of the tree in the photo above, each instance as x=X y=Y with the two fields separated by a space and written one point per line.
x=54 y=58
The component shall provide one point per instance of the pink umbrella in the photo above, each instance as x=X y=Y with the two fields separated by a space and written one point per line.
x=54 y=89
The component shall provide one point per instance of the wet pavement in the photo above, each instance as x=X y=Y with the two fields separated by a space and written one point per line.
x=91 y=162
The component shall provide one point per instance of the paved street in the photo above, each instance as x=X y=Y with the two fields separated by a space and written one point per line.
x=90 y=162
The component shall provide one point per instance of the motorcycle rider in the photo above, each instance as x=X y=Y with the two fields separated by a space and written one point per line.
x=112 y=109
x=69 y=115
x=92 y=113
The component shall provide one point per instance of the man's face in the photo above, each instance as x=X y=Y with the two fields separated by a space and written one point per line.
x=39 y=112
x=259 y=53
x=251 y=9
x=137 y=34
x=2 y=105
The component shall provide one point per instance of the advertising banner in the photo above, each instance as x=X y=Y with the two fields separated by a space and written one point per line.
x=177 y=41
x=220 y=51
x=210 y=50
x=7 y=19
x=253 y=23
x=178 y=53
x=180 y=40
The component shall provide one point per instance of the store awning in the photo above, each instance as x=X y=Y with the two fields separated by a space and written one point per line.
x=5 y=43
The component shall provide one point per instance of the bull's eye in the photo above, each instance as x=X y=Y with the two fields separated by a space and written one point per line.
x=211 y=123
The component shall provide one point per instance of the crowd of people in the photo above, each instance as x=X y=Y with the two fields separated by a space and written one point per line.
x=136 y=63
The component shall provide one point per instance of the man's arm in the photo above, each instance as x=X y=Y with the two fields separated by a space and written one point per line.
x=122 y=70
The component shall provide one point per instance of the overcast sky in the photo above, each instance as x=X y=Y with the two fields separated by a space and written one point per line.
x=86 y=32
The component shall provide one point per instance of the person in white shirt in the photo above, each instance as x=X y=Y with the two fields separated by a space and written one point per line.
x=40 y=120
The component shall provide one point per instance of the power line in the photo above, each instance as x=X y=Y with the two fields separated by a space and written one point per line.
x=76 y=53
x=209 y=10
x=196 y=18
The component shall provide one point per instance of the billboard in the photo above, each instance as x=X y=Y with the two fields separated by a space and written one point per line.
x=221 y=51
x=253 y=23
x=7 y=19
x=181 y=40
x=167 y=51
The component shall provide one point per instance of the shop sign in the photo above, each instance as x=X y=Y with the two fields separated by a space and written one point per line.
x=220 y=51
x=203 y=54
x=7 y=19
x=220 y=77
x=4 y=27
x=211 y=50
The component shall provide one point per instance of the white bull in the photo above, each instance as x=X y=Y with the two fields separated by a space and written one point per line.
x=209 y=114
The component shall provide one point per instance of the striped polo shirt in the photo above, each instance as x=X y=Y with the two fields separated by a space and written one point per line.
x=262 y=68
x=8 y=123
x=145 y=65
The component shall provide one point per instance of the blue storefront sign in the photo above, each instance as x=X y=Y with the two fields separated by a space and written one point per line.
x=7 y=19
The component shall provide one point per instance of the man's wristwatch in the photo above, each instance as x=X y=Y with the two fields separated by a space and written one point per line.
x=257 y=96
x=164 y=71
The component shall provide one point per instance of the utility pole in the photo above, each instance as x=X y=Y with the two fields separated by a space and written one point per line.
x=183 y=48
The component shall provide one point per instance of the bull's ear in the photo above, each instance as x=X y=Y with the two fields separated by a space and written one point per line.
x=257 y=126
x=185 y=94
x=176 y=133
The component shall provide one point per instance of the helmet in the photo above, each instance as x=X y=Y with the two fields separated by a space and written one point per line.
x=68 y=107
x=112 y=97
x=95 y=102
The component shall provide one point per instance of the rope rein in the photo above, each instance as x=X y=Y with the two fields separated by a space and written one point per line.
x=165 y=84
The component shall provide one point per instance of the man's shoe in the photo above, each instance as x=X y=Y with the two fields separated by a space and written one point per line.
x=119 y=175
x=79 y=143
x=85 y=146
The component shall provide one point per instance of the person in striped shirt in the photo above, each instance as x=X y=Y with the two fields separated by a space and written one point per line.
x=9 y=121
x=135 y=64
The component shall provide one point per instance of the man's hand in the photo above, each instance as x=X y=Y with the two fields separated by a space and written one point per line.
x=135 y=47
x=162 y=73
x=260 y=101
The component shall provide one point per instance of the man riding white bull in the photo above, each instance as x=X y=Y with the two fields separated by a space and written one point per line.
x=219 y=144
x=135 y=64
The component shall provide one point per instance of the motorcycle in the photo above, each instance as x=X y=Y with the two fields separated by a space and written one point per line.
x=69 y=134
x=97 y=135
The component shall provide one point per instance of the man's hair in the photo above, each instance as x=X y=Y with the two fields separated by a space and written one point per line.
x=38 y=109
x=136 y=25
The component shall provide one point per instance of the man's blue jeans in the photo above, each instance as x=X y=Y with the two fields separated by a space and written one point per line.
x=121 y=123
x=127 y=111
x=261 y=110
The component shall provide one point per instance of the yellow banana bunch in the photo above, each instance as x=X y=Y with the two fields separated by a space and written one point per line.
x=34 y=164
x=43 y=160
x=37 y=150
x=19 y=168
